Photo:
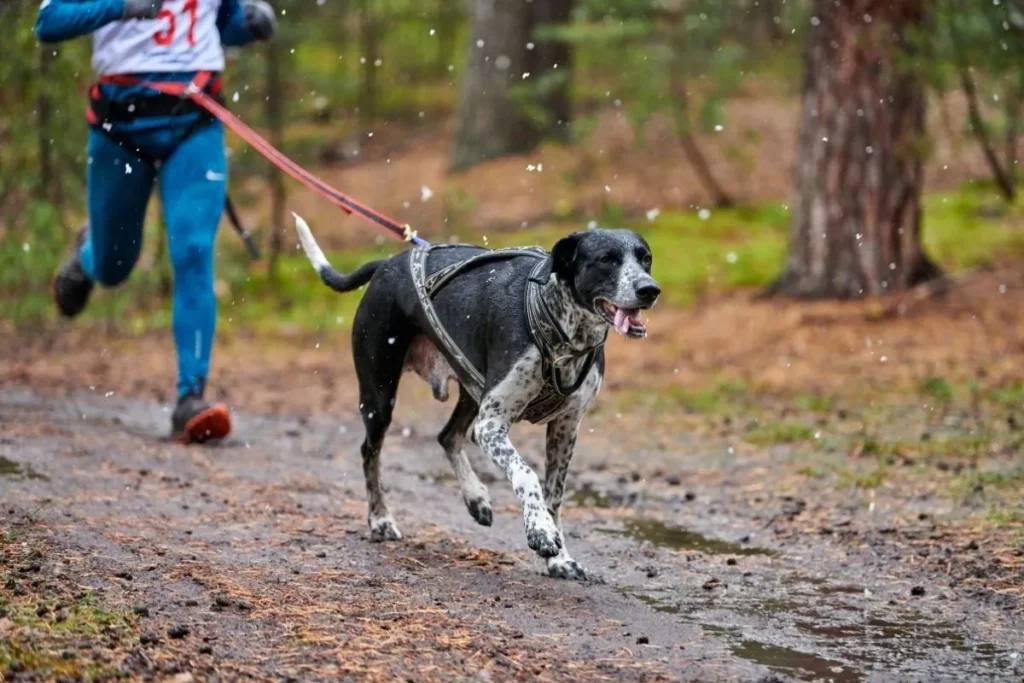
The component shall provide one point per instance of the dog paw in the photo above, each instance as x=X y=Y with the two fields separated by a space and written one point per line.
x=384 y=529
x=544 y=542
x=566 y=568
x=481 y=511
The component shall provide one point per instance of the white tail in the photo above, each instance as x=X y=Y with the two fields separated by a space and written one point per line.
x=309 y=245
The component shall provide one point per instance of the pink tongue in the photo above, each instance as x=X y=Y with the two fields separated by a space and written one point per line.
x=622 y=320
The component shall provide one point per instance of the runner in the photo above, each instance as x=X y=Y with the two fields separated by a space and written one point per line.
x=138 y=135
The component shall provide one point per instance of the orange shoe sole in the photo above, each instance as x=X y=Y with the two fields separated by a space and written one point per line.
x=212 y=423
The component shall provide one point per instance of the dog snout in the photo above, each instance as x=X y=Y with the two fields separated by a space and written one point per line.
x=648 y=291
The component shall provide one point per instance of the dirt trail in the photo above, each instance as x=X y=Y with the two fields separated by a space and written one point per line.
x=259 y=548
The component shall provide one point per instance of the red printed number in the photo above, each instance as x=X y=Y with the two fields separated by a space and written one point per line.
x=166 y=36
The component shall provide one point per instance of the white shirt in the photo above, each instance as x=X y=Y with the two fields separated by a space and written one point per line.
x=184 y=37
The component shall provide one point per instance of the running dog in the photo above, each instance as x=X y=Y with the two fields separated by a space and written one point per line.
x=521 y=331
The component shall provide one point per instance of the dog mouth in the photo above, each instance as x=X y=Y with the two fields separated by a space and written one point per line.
x=629 y=322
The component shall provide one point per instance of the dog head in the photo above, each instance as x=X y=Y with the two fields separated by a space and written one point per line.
x=609 y=275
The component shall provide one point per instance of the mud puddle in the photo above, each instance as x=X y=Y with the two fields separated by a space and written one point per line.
x=674 y=537
x=816 y=636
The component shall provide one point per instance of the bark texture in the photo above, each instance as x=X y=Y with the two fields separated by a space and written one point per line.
x=857 y=224
x=494 y=121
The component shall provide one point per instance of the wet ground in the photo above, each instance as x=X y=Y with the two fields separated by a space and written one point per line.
x=252 y=559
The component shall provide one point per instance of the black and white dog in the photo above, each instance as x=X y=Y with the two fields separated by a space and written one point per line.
x=521 y=331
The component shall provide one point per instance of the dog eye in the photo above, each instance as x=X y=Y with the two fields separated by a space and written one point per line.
x=644 y=258
x=607 y=259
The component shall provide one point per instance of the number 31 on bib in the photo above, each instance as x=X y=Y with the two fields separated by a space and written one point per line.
x=165 y=36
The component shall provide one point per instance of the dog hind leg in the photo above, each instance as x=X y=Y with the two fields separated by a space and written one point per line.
x=453 y=439
x=379 y=355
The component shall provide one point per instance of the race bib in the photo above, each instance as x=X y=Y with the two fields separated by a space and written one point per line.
x=184 y=37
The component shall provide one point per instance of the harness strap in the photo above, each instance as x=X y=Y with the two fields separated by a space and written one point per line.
x=548 y=336
x=439 y=279
x=418 y=268
x=545 y=332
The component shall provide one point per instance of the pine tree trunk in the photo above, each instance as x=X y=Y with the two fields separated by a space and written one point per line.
x=491 y=123
x=48 y=180
x=552 y=58
x=275 y=123
x=857 y=224
x=369 y=39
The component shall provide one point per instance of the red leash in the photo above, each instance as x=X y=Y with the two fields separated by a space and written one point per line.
x=196 y=92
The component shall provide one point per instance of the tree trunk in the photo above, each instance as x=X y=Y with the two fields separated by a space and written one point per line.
x=49 y=182
x=369 y=39
x=491 y=122
x=684 y=128
x=275 y=122
x=763 y=20
x=857 y=225
x=550 y=63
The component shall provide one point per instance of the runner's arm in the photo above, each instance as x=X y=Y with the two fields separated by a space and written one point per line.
x=63 y=20
x=242 y=22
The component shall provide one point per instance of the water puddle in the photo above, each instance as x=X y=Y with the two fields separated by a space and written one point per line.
x=654 y=603
x=829 y=643
x=905 y=638
x=800 y=665
x=592 y=498
x=9 y=468
x=678 y=538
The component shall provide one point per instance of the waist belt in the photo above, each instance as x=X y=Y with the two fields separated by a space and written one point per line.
x=104 y=110
x=545 y=332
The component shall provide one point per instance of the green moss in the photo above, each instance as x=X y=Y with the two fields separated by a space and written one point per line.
x=779 y=433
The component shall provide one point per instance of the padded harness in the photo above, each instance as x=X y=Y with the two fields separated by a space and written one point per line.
x=554 y=344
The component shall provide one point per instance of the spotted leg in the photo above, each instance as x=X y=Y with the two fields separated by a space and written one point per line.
x=498 y=409
x=561 y=441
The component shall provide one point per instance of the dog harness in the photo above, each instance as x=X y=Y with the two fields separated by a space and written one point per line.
x=554 y=344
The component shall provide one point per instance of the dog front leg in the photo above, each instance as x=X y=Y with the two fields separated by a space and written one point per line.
x=561 y=442
x=498 y=409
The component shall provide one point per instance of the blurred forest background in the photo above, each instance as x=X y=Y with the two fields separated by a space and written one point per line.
x=814 y=148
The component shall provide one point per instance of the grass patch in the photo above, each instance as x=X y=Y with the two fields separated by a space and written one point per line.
x=726 y=396
x=815 y=403
x=979 y=482
x=18 y=657
x=46 y=629
x=869 y=480
x=938 y=389
x=779 y=433
x=811 y=472
x=80 y=617
x=1004 y=516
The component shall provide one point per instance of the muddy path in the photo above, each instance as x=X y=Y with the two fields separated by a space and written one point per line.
x=251 y=559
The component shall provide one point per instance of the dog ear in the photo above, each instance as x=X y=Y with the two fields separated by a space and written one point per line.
x=562 y=259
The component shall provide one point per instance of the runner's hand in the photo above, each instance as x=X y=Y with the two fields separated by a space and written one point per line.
x=259 y=20
x=141 y=9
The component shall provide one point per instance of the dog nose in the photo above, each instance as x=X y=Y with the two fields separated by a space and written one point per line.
x=648 y=292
